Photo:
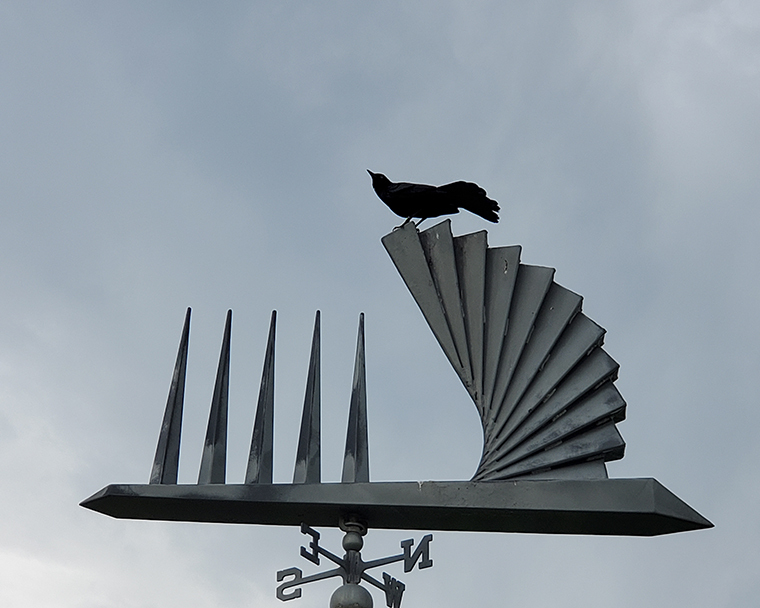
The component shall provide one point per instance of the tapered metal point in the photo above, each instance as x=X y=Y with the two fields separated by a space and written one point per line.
x=356 y=458
x=308 y=455
x=166 y=462
x=260 y=460
x=214 y=459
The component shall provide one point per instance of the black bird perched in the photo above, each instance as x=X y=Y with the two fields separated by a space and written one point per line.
x=423 y=201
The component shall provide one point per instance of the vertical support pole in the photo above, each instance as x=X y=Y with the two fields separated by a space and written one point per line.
x=260 y=460
x=214 y=460
x=356 y=458
x=166 y=462
x=308 y=465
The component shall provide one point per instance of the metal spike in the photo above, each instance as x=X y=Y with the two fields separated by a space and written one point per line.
x=214 y=460
x=262 y=442
x=308 y=466
x=356 y=458
x=166 y=462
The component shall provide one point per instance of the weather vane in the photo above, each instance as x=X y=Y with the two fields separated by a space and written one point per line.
x=352 y=569
x=533 y=365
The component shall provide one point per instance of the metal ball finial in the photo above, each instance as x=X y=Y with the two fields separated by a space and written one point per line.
x=351 y=595
x=353 y=541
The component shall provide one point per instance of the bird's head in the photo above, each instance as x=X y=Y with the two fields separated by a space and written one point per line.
x=379 y=180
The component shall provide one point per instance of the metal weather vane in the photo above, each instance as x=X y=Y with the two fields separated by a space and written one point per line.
x=352 y=569
x=543 y=386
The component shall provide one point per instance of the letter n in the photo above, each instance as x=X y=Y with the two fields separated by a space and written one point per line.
x=421 y=553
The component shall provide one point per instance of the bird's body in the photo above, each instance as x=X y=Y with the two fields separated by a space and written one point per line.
x=423 y=201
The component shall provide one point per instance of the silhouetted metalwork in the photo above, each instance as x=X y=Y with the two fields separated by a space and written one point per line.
x=560 y=498
x=356 y=458
x=533 y=365
x=531 y=361
x=308 y=455
x=166 y=463
x=353 y=569
x=261 y=458
x=214 y=459
x=619 y=507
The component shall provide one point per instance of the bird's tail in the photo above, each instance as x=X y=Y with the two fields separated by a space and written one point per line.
x=473 y=198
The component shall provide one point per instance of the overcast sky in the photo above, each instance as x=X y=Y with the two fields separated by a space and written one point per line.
x=160 y=155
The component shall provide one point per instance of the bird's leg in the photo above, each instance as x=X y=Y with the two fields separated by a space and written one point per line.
x=417 y=225
x=406 y=221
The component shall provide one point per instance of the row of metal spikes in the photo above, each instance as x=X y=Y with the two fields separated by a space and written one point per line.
x=260 y=460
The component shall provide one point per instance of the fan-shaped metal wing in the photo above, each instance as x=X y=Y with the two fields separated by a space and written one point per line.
x=531 y=361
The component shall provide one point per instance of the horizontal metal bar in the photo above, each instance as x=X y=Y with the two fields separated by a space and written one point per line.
x=623 y=507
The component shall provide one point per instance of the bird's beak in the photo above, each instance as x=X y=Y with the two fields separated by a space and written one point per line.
x=370 y=172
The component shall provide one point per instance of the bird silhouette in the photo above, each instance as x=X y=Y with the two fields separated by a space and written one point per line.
x=423 y=201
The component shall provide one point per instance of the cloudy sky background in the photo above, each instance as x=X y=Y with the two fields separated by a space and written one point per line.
x=163 y=155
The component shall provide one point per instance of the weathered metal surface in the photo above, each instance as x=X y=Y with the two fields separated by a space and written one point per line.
x=600 y=442
x=598 y=367
x=604 y=404
x=519 y=343
x=581 y=336
x=438 y=246
x=404 y=247
x=501 y=268
x=214 y=459
x=470 y=252
x=588 y=469
x=260 y=459
x=531 y=287
x=166 y=462
x=356 y=456
x=557 y=310
x=624 y=507
x=308 y=455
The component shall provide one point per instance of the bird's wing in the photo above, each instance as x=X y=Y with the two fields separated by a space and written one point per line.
x=463 y=189
x=473 y=198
